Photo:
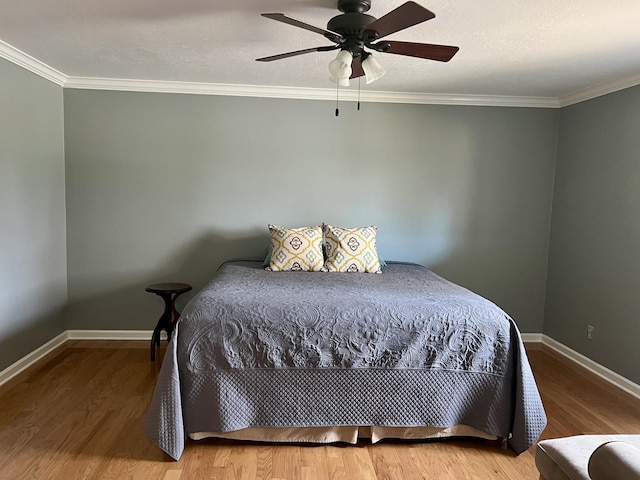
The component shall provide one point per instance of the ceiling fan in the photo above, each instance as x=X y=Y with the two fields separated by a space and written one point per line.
x=354 y=32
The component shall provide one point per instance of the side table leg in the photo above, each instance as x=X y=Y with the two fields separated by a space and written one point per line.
x=155 y=341
x=169 y=318
x=163 y=324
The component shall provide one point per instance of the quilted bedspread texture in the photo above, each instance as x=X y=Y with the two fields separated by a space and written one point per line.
x=298 y=349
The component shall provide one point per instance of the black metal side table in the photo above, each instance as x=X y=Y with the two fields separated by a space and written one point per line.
x=169 y=292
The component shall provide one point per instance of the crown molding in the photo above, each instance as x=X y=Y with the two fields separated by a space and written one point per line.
x=305 y=93
x=11 y=53
x=599 y=90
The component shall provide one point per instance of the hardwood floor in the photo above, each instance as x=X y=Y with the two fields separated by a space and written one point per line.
x=79 y=414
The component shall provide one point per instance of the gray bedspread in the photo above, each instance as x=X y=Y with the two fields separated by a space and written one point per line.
x=298 y=349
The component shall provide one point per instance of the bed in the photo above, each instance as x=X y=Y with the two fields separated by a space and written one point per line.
x=323 y=357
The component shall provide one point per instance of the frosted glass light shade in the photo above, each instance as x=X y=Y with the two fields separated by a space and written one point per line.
x=343 y=82
x=372 y=69
x=340 y=67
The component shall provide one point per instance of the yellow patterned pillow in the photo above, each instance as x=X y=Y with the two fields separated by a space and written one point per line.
x=298 y=249
x=351 y=249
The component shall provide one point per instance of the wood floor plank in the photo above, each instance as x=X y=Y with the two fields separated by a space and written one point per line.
x=264 y=467
x=172 y=475
x=287 y=461
x=358 y=464
x=79 y=414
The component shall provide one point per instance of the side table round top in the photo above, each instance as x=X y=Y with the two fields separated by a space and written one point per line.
x=168 y=288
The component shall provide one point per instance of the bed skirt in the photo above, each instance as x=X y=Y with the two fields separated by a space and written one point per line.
x=346 y=434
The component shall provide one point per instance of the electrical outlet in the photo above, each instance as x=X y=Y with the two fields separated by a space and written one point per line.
x=590 y=330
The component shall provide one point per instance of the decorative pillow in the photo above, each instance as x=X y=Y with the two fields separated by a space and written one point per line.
x=298 y=249
x=351 y=249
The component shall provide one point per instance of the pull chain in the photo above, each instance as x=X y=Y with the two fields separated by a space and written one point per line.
x=337 y=89
x=359 y=93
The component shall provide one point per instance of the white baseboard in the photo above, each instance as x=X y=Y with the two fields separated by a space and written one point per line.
x=113 y=334
x=31 y=358
x=42 y=351
x=28 y=360
x=603 y=372
x=531 y=337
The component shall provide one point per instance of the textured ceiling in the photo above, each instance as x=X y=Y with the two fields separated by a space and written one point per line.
x=544 y=48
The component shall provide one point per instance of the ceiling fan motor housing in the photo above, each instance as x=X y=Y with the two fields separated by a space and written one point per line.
x=350 y=24
x=354 y=6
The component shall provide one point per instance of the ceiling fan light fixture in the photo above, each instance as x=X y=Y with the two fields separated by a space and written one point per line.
x=372 y=69
x=340 y=67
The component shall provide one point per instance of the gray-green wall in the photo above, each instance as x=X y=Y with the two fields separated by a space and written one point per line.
x=165 y=187
x=594 y=259
x=33 y=273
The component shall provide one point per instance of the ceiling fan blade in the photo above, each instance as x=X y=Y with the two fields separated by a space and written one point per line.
x=405 y=16
x=440 y=53
x=293 y=54
x=356 y=67
x=280 y=17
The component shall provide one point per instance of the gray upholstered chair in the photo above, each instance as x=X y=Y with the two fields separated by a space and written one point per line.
x=589 y=457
